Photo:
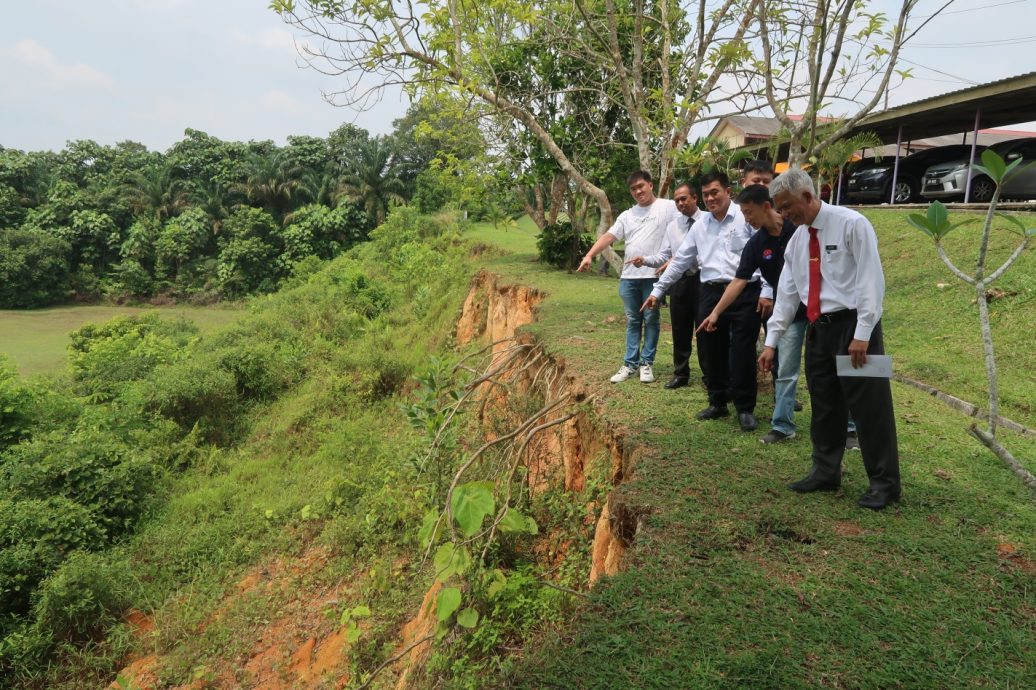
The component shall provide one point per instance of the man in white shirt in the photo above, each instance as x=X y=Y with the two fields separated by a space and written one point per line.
x=727 y=354
x=832 y=266
x=642 y=228
x=683 y=295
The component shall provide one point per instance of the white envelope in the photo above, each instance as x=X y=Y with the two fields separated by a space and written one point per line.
x=877 y=366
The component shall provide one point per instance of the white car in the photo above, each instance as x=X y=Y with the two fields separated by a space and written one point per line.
x=948 y=180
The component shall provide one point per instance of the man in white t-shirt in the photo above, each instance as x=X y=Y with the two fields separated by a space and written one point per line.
x=643 y=229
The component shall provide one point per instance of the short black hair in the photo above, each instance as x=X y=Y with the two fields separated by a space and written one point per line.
x=638 y=175
x=758 y=166
x=755 y=194
x=715 y=176
x=688 y=185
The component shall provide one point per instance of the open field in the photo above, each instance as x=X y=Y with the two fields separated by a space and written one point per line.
x=35 y=340
x=735 y=582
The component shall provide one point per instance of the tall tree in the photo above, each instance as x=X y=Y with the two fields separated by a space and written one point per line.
x=370 y=178
x=660 y=63
x=826 y=56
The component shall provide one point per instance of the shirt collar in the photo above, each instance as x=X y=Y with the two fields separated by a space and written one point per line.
x=823 y=217
x=732 y=212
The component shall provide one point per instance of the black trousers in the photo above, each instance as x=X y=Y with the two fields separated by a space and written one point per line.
x=683 y=310
x=833 y=398
x=727 y=355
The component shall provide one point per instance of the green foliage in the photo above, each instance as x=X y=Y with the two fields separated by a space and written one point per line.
x=35 y=268
x=470 y=504
x=561 y=246
x=36 y=535
x=83 y=597
x=16 y=407
x=103 y=358
x=936 y=222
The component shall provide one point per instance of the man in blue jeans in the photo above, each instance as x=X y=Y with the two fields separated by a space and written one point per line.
x=643 y=229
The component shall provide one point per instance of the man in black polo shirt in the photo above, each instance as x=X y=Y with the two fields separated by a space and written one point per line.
x=764 y=253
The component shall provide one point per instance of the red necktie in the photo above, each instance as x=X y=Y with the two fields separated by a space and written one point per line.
x=813 y=300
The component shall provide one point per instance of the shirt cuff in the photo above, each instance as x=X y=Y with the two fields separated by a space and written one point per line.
x=771 y=338
x=863 y=332
x=657 y=293
x=767 y=291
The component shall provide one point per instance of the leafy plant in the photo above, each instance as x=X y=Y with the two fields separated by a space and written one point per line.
x=561 y=246
x=936 y=224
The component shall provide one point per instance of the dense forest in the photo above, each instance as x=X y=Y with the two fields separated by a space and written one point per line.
x=210 y=219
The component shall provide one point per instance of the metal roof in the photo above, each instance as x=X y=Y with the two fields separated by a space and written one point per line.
x=999 y=103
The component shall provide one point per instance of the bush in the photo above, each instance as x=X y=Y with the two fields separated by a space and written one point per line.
x=104 y=357
x=91 y=467
x=83 y=597
x=194 y=392
x=16 y=402
x=35 y=269
x=35 y=537
x=561 y=246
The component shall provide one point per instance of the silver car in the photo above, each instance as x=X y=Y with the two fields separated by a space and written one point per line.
x=948 y=180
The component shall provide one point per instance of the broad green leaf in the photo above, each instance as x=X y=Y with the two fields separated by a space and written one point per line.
x=450 y=560
x=447 y=603
x=468 y=618
x=946 y=230
x=980 y=170
x=352 y=633
x=360 y=611
x=514 y=521
x=1011 y=166
x=921 y=223
x=431 y=527
x=937 y=217
x=994 y=165
x=1015 y=221
x=471 y=503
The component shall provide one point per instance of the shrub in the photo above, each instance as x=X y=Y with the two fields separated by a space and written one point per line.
x=194 y=392
x=16 y=404
x=35 y=537
x=91 y=467
x=35 y=269
x=83 y=597
x=561 y=246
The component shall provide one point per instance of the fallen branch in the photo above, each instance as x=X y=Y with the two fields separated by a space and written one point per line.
x=1005 y=456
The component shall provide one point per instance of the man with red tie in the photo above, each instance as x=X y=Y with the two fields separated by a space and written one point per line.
x=832 y=266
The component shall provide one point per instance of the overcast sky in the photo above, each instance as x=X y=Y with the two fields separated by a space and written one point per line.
x=145 y=70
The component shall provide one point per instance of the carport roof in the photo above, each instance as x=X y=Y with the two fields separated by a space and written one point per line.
x=1004 y=102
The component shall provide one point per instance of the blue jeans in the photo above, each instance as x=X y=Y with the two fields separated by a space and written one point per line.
x=789 y=359
x=633 y=292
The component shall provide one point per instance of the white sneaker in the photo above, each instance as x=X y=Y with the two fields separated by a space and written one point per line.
x=647 y=374
x=624 y=373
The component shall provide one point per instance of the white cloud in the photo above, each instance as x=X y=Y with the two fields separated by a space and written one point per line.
x=46 y=66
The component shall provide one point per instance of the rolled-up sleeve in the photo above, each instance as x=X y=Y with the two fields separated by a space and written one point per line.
x=870 y=278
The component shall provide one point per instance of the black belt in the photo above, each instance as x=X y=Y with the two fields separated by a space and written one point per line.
x=835 y=317
x=716 y=282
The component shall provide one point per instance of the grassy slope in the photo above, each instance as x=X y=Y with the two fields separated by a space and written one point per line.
x=36 y=340
x=737 y=582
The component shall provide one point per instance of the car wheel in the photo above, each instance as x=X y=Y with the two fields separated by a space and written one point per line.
x=982 y=189
x=906 y=190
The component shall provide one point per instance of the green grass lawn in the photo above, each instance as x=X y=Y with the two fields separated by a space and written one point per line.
x=736 y=582
x=35 y=340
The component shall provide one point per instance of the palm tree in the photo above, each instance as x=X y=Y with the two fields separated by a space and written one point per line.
x=213 y=198
x=155 y=189
x=830 y=162
x=272 y=182
x=371 y=178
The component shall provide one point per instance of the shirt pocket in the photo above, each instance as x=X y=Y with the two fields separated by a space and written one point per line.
x=736 y=243
x=837 y=260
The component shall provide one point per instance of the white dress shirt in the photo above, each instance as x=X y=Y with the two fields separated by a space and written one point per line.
x=715 y=244
x=643 y=229
x=850 y=272
x=674 y=235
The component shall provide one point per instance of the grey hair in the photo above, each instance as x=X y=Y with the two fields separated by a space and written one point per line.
x=793 y=180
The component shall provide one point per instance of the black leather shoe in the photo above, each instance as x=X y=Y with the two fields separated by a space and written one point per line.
x=813 y=483
x=747 y=421
x=713 y=412
x=676 y=382
x=876 y=499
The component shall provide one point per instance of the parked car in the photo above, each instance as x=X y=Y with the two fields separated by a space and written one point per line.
x=948 y=179
x=873 y=182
